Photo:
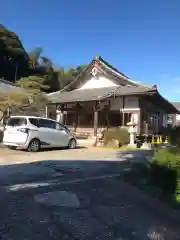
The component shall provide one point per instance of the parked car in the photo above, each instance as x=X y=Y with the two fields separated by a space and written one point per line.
x=33 y=133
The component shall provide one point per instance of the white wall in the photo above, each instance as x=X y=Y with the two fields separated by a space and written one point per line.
x=99 y=82
x=178 y=117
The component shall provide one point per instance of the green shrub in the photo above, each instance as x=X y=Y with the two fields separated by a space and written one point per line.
x=165 y=171
x=119 y=134
x=174 y=136
x=169 y=157
x=164 y=179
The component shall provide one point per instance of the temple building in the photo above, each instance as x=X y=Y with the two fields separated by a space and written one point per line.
x=103 y=97
x=174 y=119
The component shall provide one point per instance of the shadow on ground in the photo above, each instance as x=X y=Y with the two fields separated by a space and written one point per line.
x=77 y=200
x=53 y=149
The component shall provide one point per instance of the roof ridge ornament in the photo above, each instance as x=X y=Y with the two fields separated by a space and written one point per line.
x=96 y=57
x=94 y=71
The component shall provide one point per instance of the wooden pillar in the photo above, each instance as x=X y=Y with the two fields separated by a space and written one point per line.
x=77 y=114
x=46 y=111
x=76 y=123
x=65 y=114
x=139 y=122
x=157 y=123
x=96 y=108
x=173 y=120
x=142 y=117
x=95 y=122
x=65 y=118
x=107 y=117
x=123 y=118
x=146 y=128
x=139 y=114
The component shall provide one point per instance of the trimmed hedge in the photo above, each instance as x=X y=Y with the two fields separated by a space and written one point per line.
x=119 y=134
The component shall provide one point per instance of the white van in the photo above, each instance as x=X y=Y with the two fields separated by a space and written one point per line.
x=32 y=133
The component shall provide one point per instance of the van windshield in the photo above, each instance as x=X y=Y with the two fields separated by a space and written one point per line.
x=15 y=122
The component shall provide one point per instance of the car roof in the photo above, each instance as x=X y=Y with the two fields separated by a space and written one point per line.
x=21 y=116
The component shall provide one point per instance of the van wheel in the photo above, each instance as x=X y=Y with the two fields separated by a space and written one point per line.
x=34 y=146
x=72 y=144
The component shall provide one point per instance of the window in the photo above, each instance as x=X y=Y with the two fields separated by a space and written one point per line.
x=15 y=122
x=115 y=119
x=47 y=123
x=34 y=121
x=59 y=126
x=127 y=118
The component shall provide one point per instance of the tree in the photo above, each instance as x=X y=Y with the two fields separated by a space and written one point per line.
x=42 y=67
x=37 y=60
x=13 y=57
x=63 y=77
x=67 y=76
x=34 y=56
x=81 y=68
x=34 y=90
x=15 y=64
x=33 y=83
x=23 y=103
x=31 y=99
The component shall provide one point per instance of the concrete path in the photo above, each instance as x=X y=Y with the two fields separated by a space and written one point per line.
x=45 y=196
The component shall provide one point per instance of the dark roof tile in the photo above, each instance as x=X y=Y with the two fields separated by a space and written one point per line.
x=109 y=68
x=176 y=105
x=8 y=87
x=95 y=94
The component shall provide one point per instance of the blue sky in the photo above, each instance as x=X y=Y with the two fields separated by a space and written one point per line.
x=139 y=37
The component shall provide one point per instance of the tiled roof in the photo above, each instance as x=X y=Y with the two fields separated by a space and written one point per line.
x=176 y=105
x=109 y=68
x=95 y=94
x=8 y=87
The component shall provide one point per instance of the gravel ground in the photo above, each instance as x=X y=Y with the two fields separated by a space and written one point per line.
x=63 y=194
x=81 y=153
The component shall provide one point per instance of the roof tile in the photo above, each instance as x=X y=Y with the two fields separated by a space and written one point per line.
x=96 y=94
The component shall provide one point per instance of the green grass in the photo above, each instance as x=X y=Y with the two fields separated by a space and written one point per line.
x=139 y=176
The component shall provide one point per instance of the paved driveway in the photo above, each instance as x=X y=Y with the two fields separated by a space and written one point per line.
x=63 y=194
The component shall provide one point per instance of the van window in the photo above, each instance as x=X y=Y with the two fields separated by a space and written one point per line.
x=15 y=122
x=47 y=123
x=34 y=121
x=59 y=126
